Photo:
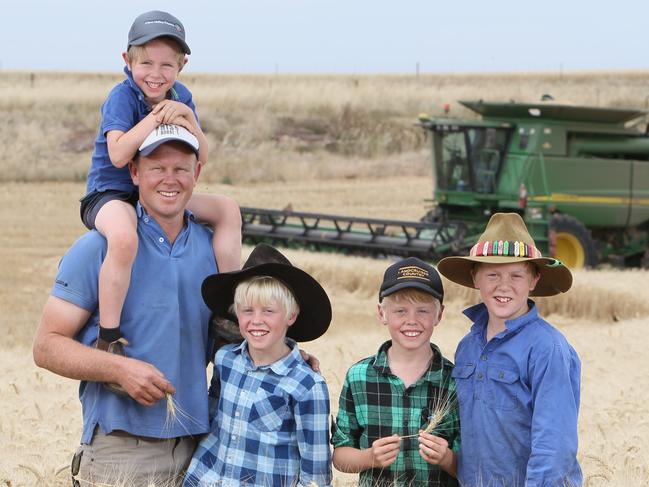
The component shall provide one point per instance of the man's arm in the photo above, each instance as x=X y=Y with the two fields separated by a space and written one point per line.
x=56 y=349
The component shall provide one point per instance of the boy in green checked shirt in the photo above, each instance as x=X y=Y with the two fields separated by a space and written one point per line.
x=398 y=420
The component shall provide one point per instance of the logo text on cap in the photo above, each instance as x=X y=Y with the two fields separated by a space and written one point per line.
x=412 y=272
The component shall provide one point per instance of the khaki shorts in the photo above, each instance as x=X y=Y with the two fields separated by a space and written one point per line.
x=121 y=459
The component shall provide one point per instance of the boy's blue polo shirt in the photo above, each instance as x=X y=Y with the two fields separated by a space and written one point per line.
x=164 y=319
x=124 y=108
x=519 y=400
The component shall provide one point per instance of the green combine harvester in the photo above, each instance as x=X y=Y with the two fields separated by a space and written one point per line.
x=579 y=177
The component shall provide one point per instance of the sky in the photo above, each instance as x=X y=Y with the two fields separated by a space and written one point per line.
x=338 y=36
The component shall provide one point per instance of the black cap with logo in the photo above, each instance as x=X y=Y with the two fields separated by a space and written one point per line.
x=412 y=273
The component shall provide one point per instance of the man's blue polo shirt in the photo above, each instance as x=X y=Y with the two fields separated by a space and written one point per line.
x=124 y=108
x=164 y=319
x=519 y=399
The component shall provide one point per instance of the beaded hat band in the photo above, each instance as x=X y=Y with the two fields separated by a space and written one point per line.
x=505 y=247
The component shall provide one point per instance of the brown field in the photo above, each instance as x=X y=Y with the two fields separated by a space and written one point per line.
x=259 y=142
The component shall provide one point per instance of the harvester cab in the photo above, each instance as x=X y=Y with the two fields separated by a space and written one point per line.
x=578 y=175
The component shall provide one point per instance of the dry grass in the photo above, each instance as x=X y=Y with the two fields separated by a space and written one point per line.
x=279 y=128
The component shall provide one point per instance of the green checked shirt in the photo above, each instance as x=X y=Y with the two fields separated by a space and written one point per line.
x=374 y=404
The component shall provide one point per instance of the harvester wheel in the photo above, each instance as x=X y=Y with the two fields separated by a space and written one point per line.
x=573 y=244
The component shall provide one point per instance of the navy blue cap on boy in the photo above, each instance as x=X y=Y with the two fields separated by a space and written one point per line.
x=154 y=24
x=412 y=273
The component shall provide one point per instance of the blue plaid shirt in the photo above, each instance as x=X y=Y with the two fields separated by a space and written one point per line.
x=271 y=427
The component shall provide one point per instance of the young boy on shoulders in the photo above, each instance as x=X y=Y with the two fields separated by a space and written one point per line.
x=148 y=99
x=397 y=421
x=517 y=376
x=270 y=410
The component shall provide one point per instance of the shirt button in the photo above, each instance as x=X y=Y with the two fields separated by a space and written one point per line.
x=480 y=376
x=146 y=219
x=161 y=240
x=234 y=437
x=237 y=414
x=484 y=357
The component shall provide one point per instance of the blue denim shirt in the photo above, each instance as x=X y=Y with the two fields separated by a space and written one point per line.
x=164 y=319
x=519 y=400
x=124 y=108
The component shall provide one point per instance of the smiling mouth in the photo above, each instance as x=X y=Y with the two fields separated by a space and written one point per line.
x=258 y=333
x=502 y=299
x=168 y=194
x=152 y=85
x=411 y=333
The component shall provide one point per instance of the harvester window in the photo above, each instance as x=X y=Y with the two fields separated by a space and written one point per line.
x=453 y=173
x=469 y=158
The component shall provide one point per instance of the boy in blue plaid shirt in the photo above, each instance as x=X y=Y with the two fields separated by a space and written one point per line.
x=270 y=410
x=398 y=422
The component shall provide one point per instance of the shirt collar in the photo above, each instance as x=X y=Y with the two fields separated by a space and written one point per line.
x=480 y=317
x=142 y=214
x=282 y=367
x=382 y=365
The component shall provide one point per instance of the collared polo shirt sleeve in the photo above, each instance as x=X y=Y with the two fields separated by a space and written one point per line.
x=312 y=425
x=555 y=379
x=78 y=272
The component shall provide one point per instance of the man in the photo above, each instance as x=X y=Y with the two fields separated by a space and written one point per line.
x=129 y=438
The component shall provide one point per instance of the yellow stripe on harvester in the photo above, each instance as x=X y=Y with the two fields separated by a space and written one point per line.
x=597 y=200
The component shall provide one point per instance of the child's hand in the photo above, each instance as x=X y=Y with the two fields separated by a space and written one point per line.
x=174 y=112
x=432 y=449
x=385 y=451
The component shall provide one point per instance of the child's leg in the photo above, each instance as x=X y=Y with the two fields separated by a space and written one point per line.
x=223 y=215
x=116 y=221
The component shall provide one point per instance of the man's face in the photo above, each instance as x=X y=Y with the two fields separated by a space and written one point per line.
x=166 y=180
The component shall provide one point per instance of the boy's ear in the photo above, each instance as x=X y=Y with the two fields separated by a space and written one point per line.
x=534 y=282
x=292 y=318
x=381 y=314
x=126 y=60
x=183 y=64
x=439 y=315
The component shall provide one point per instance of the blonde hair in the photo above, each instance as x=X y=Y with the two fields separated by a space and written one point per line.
x=137 y=52
x=264 y=290
x=412 y=295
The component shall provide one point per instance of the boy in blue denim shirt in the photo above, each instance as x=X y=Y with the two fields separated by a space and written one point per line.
x=517 y=377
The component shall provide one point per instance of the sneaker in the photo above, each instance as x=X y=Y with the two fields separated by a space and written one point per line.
x=117 y=348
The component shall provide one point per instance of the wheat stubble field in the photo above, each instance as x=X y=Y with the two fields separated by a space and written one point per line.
x=332 y=144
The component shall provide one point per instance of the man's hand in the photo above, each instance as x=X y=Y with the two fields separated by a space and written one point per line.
x=312 y=360
x=143 y=382
x=384 y=451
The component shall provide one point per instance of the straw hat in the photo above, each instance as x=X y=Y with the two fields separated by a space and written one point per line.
x=264 y=260
x=506 y=240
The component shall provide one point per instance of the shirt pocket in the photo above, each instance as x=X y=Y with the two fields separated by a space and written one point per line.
x=268 y=412
x=462 y=373
x=502 y=389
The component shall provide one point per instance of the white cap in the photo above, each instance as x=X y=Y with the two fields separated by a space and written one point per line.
x=168 y=133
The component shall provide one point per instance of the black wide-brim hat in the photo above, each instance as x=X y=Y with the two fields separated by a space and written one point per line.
x=315 y=308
